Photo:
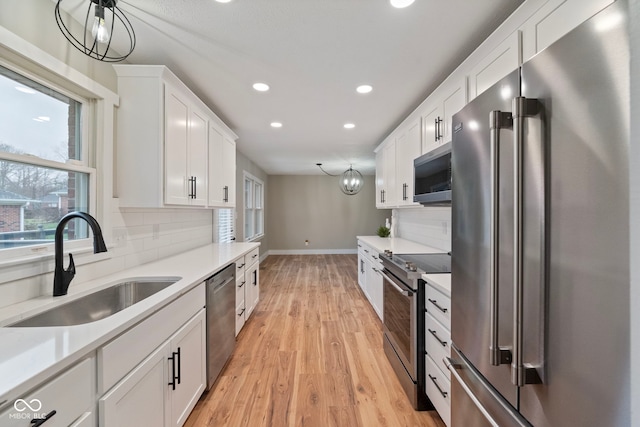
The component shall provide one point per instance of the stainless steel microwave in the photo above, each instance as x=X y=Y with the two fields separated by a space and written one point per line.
x=432 y=176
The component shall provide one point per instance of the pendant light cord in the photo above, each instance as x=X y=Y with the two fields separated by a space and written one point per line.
x=330 y=174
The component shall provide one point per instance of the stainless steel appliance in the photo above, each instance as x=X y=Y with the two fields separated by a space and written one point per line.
x=403 y=325
x=432 y=176
x=221 y=320
x=540 y=248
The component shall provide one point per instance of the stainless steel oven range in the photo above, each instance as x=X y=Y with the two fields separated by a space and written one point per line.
x=403 y=324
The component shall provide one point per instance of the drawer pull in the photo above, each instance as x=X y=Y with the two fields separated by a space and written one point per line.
x=240 y=266
x=241 y=313
x=433 y=332
x=242 y=284
x=443 y=393
x=39 y=421
x=434 y=302
x=254 y=255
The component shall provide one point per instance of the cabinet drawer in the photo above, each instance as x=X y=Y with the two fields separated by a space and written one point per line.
x=241 y=285
x=71 y=395
x=240 y=266
x=122 y=354
x=438 y=390
x=252 y=257
x=240 y=317
x=439 y=306
x=437 y=343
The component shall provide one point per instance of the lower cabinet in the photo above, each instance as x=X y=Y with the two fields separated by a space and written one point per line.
x=164 y=388
x=252 y=292
x=247 y=286
x=369 y=278
x=68 y=400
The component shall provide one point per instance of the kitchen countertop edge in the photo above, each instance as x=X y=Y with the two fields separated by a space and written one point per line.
x=19 y=367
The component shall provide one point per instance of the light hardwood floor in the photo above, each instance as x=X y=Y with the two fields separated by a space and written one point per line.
x=310 y=355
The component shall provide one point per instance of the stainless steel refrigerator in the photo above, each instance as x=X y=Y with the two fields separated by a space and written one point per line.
x=540 y=250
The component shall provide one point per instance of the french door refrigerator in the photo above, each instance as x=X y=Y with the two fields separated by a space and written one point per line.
x=540 y=249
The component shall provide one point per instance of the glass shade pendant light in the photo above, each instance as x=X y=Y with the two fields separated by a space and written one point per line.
x=351 y=180
x=102 y=20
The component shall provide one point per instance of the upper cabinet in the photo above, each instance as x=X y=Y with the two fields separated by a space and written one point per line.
x=172 y=150
x=501 y=61
x=531 y=28
x=447 y=100
x=555 y=19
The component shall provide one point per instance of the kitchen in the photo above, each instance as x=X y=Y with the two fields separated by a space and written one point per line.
x=141 y=235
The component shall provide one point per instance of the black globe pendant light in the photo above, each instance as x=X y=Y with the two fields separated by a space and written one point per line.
x=103 y=19
x=351 y=180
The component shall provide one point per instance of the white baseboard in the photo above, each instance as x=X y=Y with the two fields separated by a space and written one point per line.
x=312 y=252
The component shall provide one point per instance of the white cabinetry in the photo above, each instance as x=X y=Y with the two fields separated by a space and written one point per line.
x=555 y=19
x=502 y=60
x=369 y=278
x=161 y=386
x=438 y=346
x=222 y=169
x=164 y=146
x=447 y=100
x=247 y=286
x=71 y=395
x=407 y=149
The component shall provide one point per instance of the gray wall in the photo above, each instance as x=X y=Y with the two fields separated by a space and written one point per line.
x=313 y=208
x=243 y=163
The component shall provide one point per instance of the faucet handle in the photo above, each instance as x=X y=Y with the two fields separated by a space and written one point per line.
x=72 y=266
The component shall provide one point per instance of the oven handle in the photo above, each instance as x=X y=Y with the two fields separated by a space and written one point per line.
x=390 y=280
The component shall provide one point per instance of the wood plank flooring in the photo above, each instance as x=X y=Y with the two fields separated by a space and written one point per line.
x=310 y=355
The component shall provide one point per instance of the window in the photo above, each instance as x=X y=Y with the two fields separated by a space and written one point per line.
x=225 y=221
x=253 y=207
x=44 y=171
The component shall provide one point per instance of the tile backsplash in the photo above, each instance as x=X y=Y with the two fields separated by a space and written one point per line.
x=138 y=236
x=428 y=225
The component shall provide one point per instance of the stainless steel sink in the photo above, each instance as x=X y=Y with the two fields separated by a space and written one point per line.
x=98 y=305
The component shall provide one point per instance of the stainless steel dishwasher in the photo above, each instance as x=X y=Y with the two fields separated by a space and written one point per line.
x=221 y=320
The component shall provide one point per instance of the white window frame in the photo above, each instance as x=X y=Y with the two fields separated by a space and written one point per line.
x=225 y=225
x=98 y=105
x=256 y=210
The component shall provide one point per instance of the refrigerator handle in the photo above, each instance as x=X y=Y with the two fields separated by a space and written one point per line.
x=521 y=374
x=497 y=120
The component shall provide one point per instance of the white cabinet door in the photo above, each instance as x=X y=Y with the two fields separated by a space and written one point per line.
x=252 y=293
x=455 y=99
x=431 y=123
x=374 y=285
x=361 y=267
x=176 y=136
x=501 y=61
x=389 y=190
x=188 y=368
x=140 y=399
x=197 y=152
x=555 y=19
x=70 y=395
x=380 y=183
x=216 y=173
x=407 y=149
x=229 y=172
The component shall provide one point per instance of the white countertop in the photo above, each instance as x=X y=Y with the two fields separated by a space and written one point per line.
x=441 y=282
x=397 y=245
x=28 y=356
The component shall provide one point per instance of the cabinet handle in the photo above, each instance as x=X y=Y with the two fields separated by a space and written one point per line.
x=254 y=255
x=179 y=363
x=226 y=193
x=435 y=335
x=172 y=383
x=434 y=302
x=241 y=313
x=443 y=393
x=242 y=284
x=195 y=187
x=240 y=266
x=255 y=278
x=39 y=421
x=405 y=187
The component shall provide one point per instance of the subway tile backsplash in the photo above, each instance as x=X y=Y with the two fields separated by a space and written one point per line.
x=428 y=225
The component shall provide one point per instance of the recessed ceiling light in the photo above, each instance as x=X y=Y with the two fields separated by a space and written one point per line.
x=401 y=3
x=42 y=119
x=276 y=125
x=261 y=87
x=364 y=88
x=25 y=89
x=349 y=125
x=223 y=1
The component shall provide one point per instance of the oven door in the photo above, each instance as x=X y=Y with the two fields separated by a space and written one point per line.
x=400 y=321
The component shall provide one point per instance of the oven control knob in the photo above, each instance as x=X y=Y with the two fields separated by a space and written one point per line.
x=410 y=266
x=388 y=253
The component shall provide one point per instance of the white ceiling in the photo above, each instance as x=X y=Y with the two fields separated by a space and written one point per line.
x=313 y=54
